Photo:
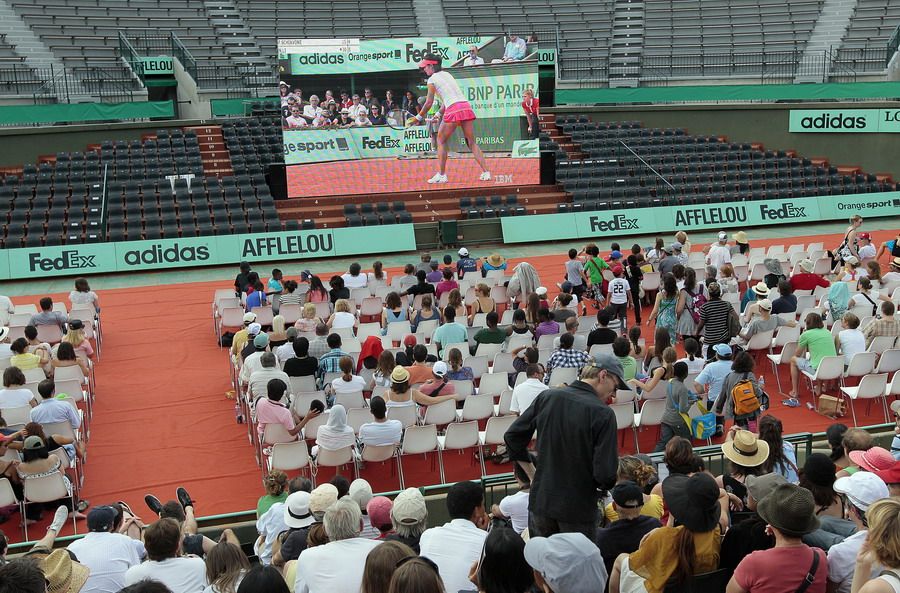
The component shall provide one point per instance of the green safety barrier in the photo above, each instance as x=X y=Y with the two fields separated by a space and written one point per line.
x=737 y=92
x=63 y=112
x=665 y=219
x=845 y=120
x=101 y=258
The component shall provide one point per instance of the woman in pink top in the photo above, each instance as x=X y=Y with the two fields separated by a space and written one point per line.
x=75 y=336
x=447 y=284
x=317 y=292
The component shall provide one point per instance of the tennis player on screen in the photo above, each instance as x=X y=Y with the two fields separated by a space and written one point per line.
x=457 y=112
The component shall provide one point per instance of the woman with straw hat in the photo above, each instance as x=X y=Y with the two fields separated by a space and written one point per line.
x=746 y=454
x=494 y=261
x=791 y=565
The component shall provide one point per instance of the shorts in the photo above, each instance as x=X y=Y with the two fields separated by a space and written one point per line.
x=459 y=112
x=193 y=544
x=804 y=365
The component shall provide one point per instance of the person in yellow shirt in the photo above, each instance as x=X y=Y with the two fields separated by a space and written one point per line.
x=25 y=360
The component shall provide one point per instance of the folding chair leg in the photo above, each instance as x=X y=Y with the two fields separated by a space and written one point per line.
x=637 y=448
x=481 y=459
x=777 y=376
x=853 y=411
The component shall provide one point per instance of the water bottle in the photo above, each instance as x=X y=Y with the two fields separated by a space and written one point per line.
x=238 y=415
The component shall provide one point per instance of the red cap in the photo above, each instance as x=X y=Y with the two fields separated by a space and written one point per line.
x=617 y=270
x=865 y=236
x=890 y=475
x=410 y=340
x=424 y=63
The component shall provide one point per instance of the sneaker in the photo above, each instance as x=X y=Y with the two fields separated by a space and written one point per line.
x=184 y=498
x=438 y=178
x=153 y=503
x=59 y=518
x=485 y=176
x=791 y=402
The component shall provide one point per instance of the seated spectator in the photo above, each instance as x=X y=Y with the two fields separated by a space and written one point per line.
x=331 y=360
x=457 y=545
x=472 y=58
x=782 y=454
x=338 y=290
x=490 y=334
x=434 y=274
x=624 y=533
x=379 y=511
x=455 y=300
x=286 y=350
x=260 y=579
x=520 y=327
x=48 y=316
x=354 y=278
x=514 y=50
x=375 y=116
x=816 y=340
x=450 y=332
x=419 y=370
x=837 y=301
x=439 y=384
x=382 y=375
x=746 y=455
x=566 y=562
x=674 y=554
x=297 y=538
x=347 y=382
x=408 y=278
x=546 y=325
x=882 y=549
x=763 y=321
x=526 y=392
x=336 y=434
x=862 y=490
x=789 y=512
x=31 y=335
x=275 y=482
x=483 y=302
x=805 y=279
x=854 y=441
x=271 y=410
x=71 y=446
x=572 y=328
x=887 y=325
x=301 y=364
x=256 y=293
x=503 y=567
x=741 y=372
x=381 y=431
x=421 y=286
x=37 y=462
x=851 y=272
x=514 y=507
x=786 y=301
x=750 y=534
x=257 y=384
x=226 y=567
x=296 y=120
x=622 y=351
x=409 y=518
x=428 y=312
x=290 y=296
x=339 y=564
x=393 y=311
x=342 y=317
x=252 y=355
x=726 y=280
x=850 y=340
x=632 y=468
x=278 y=335
x=50 y=409
x=242 y=336
x=565 y=306
x=818 y=476
x=14 y=394
x=25 y=360
x=566 y=357
x=106 y=552
x=602 y=335
x=83 y=295
x=405 y=356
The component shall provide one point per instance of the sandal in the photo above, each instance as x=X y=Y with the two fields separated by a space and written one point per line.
x=82 y=506
x=791 y=402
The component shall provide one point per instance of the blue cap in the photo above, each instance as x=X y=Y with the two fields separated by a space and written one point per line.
x=616 y=255
x=722 y=349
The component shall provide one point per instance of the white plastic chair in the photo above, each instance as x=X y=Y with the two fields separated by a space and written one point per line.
x=503 y=363
x=407 y=415
x=48 y=488
x=289 y=456
x=440 y=414
x=305 y=384
x=625 y=420
x=421 y=440
x=503 y=408
x=561 y=375
x=463 y=389
x=782 y=358
x=830 y=368
x=889 y=361
x=861 y=364
x=651 y=413
x=493 y=433
x=871 y=387
x=881 y=344
x=343 y=456
x=350 y=400
x=460 y=435
x=476 y=407
x=356 y=417
x=493 y=383
x=478 y=364
x=17 y=417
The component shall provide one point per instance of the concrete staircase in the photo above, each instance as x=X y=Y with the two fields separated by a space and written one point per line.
x=816 y=63
x=213 y=153
x=37 y=55
x=566 y=144
x=430 y=18
x=241 y=47
x=627 y=44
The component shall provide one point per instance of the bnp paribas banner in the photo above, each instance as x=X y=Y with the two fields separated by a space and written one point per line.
x=736 y=215
x=98 y=258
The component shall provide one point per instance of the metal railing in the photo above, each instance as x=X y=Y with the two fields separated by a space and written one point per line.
x=893 y=45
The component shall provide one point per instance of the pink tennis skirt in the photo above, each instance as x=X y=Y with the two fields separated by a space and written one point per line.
x=459 y=112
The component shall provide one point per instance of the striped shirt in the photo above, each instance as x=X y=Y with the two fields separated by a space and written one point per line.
x=291 y=298
x=715 y=314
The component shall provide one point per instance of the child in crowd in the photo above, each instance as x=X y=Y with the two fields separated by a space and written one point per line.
x=515 y=506
x=678 y=402
x=693 y=360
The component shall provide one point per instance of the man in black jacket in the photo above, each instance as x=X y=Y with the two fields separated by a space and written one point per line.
x=577 y=455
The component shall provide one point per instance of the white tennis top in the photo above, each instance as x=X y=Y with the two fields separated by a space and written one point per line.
x=446 y=88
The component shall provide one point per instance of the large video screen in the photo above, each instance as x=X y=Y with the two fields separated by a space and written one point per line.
x=370 y=116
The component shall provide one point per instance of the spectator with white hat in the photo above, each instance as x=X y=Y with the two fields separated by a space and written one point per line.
x=439 y=384
x=298 y=519
x=861 y=490
x=719 y=253
x=409 y=516
x=760 y=291
x=361 y=493
x=566 y=563
x=762 y=322
x=465 y=263
x=241 y=336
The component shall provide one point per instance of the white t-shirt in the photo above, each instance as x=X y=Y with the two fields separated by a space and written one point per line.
x=860 y=300
x=109 y=556
x=285 y=352
x=6 y=309
x=343 y=319
x=296 y=122
x=524 y=394
x=867 y=251
x=454 y=547
x=15 y=398
x=718 y=256
x=446 y=88
x=852 y=341
x=312 y=112
x=180 y=575
x=842 y=561
x=515 y=507
x=618 y=291
x=377 y=434
x=694 y=366
x=336 y=567
x=359 y=281
x=354 y=385
x=356 y=110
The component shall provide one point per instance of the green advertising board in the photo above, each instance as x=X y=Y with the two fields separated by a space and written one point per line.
x=101 y=258
x=854 y=121
x=157 y=65
x=735 y=215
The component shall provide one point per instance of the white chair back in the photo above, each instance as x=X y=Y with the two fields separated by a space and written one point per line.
x=289 y=456
x=420 y=439
x=477 y=407
x=440 y=414
x=461 y=435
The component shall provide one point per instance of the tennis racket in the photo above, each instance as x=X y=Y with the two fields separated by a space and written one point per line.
x=399 y=119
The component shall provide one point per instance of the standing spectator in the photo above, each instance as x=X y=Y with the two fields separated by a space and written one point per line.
x=181 y=574
x=691 y=298
x=457 y=545
x=790 y=513
x=624 y=535
x=575 y=274
x=472 y=58
x=862 y=490
x=719 y=253
x=531 y=107
x=240 y=281
x=715 y=318
x=741 y=243
x=565 y=491
x=741 y=372
x=887 y=325
x=819 y=343
x=678 y=402
x=339 y=564
x=369 y=99
x=665 y=305
x=618 y=298
x=48 y=316
x=107 y=553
